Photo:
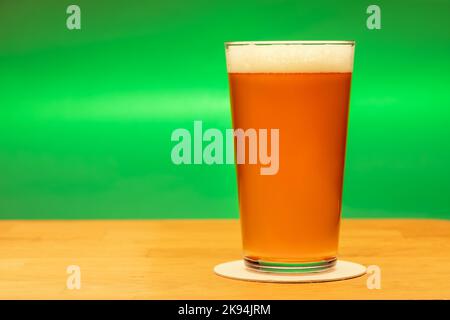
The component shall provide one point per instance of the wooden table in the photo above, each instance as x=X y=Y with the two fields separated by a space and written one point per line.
x=173 y=259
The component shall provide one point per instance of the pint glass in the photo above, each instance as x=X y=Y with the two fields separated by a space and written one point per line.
x=290 y=220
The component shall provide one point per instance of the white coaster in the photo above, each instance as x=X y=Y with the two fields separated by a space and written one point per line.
x=341 y=271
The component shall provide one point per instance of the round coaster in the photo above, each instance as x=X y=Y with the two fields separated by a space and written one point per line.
x=341 y=271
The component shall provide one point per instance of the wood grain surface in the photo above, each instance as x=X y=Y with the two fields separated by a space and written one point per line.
x=174 y=259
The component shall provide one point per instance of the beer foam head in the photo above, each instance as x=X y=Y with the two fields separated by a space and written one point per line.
x=290 y=57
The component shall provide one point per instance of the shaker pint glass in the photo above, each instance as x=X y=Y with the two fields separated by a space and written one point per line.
x=290 y=220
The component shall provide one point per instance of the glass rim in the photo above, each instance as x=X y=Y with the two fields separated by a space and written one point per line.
x=291 y=42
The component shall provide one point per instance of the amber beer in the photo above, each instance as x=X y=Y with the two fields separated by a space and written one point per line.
x=290 y=220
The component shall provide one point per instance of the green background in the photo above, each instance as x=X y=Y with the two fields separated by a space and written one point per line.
x=86 y=115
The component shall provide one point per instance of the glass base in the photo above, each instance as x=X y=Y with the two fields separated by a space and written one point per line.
x=289 y=267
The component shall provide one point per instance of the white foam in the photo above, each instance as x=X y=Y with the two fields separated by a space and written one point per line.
x=306 y=57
